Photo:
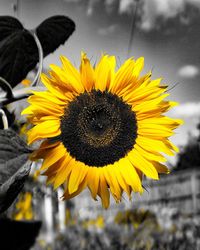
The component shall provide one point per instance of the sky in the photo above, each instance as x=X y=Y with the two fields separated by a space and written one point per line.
x=167 y=34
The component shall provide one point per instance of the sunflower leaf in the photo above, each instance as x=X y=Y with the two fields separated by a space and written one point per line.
x=11 y=188
x=18 y=50
x=8 y=25
x=14 y=167
x=53 y=32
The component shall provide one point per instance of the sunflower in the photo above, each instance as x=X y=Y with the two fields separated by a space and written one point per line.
x=24 y=207
x=102 y=129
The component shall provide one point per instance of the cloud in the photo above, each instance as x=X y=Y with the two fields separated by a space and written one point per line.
x=187 y=110
x=108 y=30
x=109 y=6
x=188 y=71
x=91 y=6
x=190 y=113
x=152 y=10
x=166 y=9
x=126 y=6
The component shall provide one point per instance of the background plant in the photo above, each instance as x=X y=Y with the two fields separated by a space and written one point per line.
x=21 y=50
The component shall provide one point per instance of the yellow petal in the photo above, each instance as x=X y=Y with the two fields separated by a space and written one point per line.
x=123 y=76
x=155 y=83
x=148 y=105
x=142 y=94
x=68 y=81
x=77 y=175
x=104 y=72
x=130 y=175
x=163 y=120
x=93 y=181
x=81 y=187
x=152 y=144
x=43 y=130
x=70 y=69
x=53 y=156
x=161 y=169
x=52 y=88
x=49 y=97
x=87 y=73
x=103 y=191
x=139 y=64
x=150 y=155
x=154 y=130
x=120 y=179
x=112 y=182
x=142 y=164
x=41 y=108
x=63 y=171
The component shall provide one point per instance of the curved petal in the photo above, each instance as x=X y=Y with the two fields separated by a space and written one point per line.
x=87 y=73
x=104 y=72
x=47 y=129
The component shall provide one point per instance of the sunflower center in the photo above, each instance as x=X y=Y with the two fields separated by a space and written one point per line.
x=98 y=128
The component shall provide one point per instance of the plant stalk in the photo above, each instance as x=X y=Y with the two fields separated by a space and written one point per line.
x=18 y=95
x=40 y=53
x=4 y=119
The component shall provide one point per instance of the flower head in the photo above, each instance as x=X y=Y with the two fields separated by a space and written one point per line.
x=102 y=129
x=24 y=207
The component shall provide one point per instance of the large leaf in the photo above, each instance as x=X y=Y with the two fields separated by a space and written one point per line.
x=8 y=25
x=53 y=32
x=18 y=235
x=18 y=50
x=14 y=167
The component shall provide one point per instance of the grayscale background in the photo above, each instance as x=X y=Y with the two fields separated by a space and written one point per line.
x=167 y=34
